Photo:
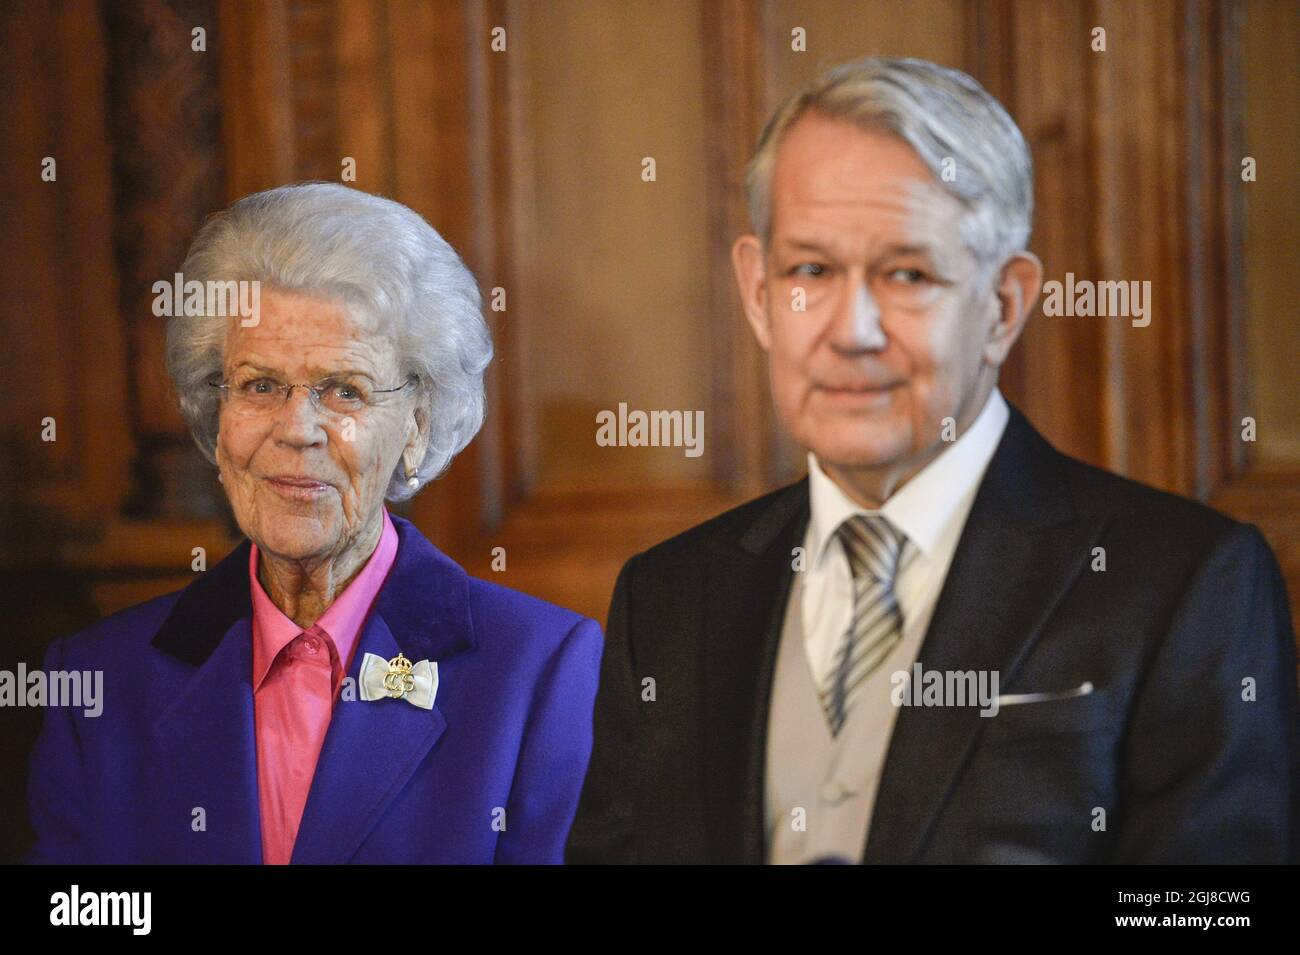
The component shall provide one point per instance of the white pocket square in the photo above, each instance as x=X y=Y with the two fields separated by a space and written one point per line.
x=399 y=678
x=1011 y=699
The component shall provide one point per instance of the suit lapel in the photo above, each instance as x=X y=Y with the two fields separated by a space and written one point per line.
x=370 y=751
x=201 y=752
x=372 y=748
x=203 y=745
x=747 y=586
x=1021 y=549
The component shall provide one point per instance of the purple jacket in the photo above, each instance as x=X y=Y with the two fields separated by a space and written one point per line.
x=167 y=772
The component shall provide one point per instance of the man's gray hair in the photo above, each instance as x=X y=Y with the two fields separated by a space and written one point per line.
x=941 y=113
x=367 y=253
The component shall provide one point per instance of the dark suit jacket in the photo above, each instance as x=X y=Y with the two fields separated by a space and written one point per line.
x=1191 y=604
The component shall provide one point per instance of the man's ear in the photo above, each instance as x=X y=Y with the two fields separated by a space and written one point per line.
x=1017 y=288
x=751 y=279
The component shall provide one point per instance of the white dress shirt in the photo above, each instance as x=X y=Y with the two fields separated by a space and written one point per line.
x=931 y=509
x=820 y=789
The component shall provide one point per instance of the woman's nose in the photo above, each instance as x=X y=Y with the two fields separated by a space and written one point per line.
x=300 y=416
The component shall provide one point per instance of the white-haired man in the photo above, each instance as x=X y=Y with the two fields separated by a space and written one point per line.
x=914 y=654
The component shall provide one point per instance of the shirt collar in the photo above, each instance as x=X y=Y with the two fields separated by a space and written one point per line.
x=923 y=506
x=342 y=620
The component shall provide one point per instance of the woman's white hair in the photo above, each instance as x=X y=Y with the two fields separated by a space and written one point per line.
x=941 y=113
x=367 y=253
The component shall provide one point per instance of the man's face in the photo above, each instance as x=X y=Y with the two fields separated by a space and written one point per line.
x=891 y=336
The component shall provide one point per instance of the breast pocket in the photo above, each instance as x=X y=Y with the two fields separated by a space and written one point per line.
x=1044 y=776
x=1087 y=713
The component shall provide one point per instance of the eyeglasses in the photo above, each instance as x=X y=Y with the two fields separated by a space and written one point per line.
x=262 y=394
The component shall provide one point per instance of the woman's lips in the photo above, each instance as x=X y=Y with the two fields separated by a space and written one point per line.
x=297 y=489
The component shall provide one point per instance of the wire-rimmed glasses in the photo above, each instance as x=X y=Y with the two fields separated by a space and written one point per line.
x=260 y=394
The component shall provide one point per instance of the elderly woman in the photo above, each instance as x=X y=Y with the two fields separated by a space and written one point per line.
x=335 y=690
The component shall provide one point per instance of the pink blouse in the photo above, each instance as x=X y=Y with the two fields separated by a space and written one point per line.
x=296 y=678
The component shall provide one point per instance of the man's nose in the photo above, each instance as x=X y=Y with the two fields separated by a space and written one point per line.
x=858 y=321
x=299 y=420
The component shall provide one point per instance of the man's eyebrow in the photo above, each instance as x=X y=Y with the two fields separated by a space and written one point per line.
x=921 y=248
x=809 y=245
x=896 y=248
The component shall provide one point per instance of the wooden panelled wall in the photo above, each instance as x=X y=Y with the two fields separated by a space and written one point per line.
x=528 y=160
x=1137 y=149
x=1138 y=156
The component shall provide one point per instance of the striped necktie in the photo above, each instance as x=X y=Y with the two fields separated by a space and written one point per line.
x=872 y=546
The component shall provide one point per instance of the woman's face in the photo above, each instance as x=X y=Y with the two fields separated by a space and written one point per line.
x=306 y=484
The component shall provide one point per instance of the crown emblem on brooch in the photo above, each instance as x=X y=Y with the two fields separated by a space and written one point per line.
x=399 y=680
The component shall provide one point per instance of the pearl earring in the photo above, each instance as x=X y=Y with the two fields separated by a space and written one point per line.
x=411 y=480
